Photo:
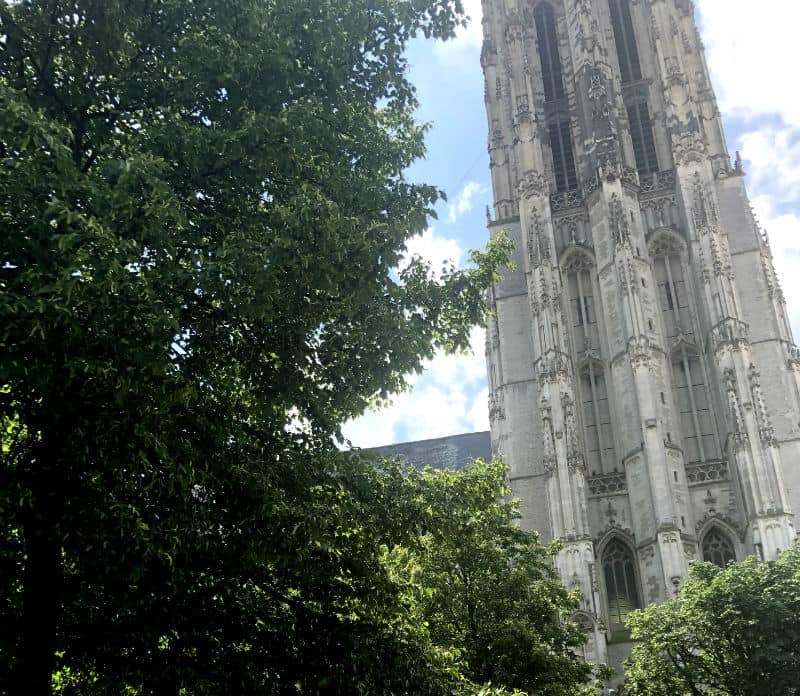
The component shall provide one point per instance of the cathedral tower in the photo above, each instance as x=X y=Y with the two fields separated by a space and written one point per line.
x=644 y=383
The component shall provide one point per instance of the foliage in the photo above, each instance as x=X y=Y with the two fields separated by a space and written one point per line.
x=203 y=209
x=731 y=632
x=487 y=588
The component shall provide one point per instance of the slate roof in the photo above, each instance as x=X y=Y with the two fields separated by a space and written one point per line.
x=453 y=452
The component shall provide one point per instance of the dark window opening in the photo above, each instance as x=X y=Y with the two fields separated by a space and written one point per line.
x=625 y=39
x=644 y=145
x=717 y=549
x=563 y=157
x=620 y=576
x=584 y=312
x=547 y=40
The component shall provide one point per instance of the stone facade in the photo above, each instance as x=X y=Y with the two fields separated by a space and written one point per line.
x=644 y=383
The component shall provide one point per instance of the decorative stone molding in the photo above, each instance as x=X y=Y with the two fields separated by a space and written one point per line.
x=704 y=211
x=689 y=148
x=703 y=473
x=552 y=366
x=729 y=333
x=657 y=182
x=533 y=184
x=572 y=228
x=608 y=484
x=640 y=353
x=566 y=200
x=539 y=250
x=712 y=517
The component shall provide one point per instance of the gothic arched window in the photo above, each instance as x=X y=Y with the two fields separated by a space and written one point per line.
x=619 y=568
x=563 y=157
x=596 y=419
x=547 y=42
x=582 y=311
x=717 y=548
x=644 y=145
x=672 y=293
x=694 y=405
x=625 y=39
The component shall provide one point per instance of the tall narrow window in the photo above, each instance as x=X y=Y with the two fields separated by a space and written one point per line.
x=691 y=397
x=596 y=420
x=620 y=575
x=547 y=40
x=673 y=295
x=563 y=157
x=717 y=548
x=625 y=39
x=581 y=300
x=644 y=146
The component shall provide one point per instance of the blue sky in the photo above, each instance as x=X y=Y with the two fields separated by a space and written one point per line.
x=750 y=54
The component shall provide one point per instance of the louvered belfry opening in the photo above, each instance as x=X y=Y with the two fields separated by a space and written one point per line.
x=547 y=44
x=563 y=157
x=625 y=39
x=644 y=145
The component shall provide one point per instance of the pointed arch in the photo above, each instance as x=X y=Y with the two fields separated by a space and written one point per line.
x=717 y=546
x=544 y=18
x=666 y=242
x=576 y=257
x=620 y=578
x=578 y=265
x=668 y=251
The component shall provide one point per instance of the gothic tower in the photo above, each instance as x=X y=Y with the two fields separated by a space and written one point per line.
x=644 y=383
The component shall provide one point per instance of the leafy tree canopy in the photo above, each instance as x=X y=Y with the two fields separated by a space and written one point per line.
x=487 y=588
x=203 y=208
x=731 y=632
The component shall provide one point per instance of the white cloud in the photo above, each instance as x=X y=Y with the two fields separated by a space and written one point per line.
x=464 y=202
x=463 y=50
x=448 y=398
x=750 y=49
x=439 y=252
x=773 y=155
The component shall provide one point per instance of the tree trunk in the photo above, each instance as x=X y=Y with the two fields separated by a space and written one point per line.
x=41 y=607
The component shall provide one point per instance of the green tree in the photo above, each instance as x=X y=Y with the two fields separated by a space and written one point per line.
x=731 y=632
x=203 y=205
x=487 y=588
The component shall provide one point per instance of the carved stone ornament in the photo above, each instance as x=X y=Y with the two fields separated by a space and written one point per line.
x=688 y=148
x=608 y=484
x=497 y=409
x=703 y=473
x=620 y=228
x=488 y=53
x=729 y=333
x=539 y=250
x=533 y=184
x=640 y=353
x=552 y=366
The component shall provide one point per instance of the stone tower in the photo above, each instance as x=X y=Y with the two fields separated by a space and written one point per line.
x=644 y=383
